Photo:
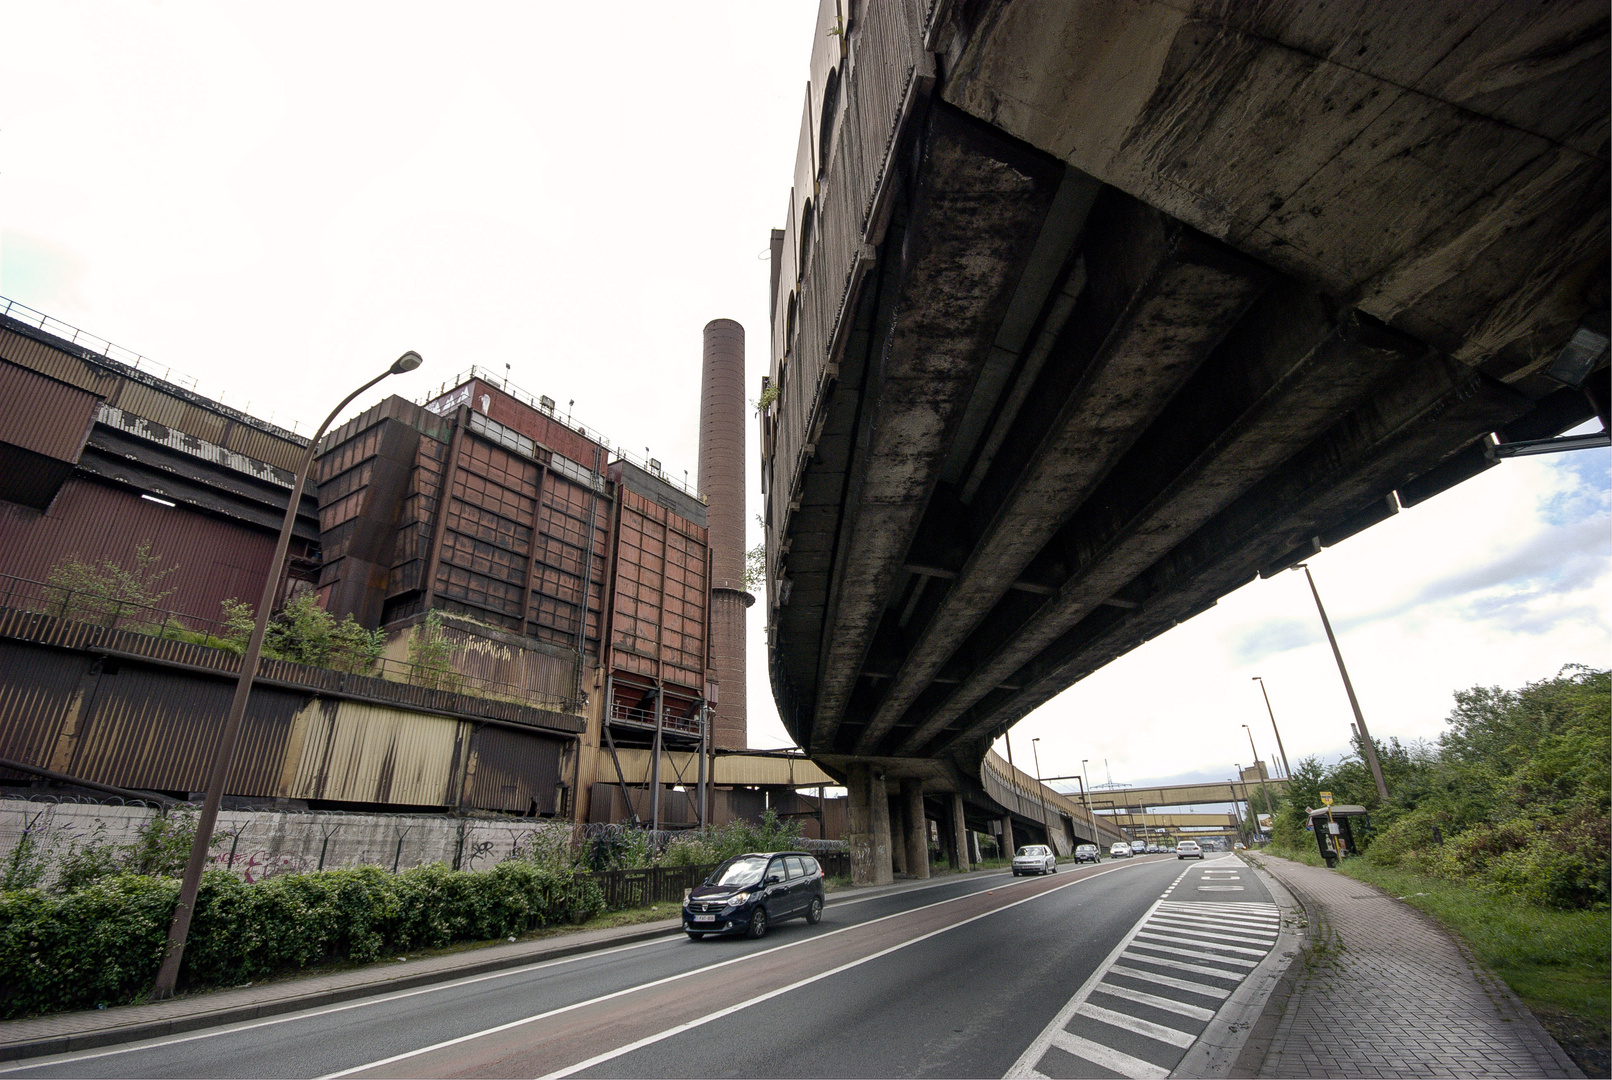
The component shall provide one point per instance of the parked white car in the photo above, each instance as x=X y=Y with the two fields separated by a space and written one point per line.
x=1120 y=851
x=1035 y=859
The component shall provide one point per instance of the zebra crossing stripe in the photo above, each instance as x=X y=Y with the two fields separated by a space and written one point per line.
x=1182 y=965
x=1171 y=981
x=1201 y=946
x=1173 y=1036
x=1106 y=1056
x=1180 y=1008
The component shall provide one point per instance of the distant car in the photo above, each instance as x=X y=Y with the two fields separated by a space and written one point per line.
x=1120 y=851
x=1088 y=853
x=748 y=893
x=1239 y=846
x=1188 y=849
x=1035 y=859
x=1153 y=849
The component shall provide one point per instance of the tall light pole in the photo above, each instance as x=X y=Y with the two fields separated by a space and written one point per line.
x=1085 y=790
x=1286 y=768
x=224 y=751
x=1369 y=747
x=1041 y=793
x=1264 y=788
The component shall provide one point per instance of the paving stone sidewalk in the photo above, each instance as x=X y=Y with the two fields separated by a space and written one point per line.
x=1385 y=991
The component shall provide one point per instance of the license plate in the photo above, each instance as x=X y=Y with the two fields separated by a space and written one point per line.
x=705 y=918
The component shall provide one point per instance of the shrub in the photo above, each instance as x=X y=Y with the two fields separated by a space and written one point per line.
x=103 y=943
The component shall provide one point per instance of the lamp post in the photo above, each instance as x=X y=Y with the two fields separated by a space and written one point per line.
x=1085 y=790
x=1286 y=768
x=1369 y=747
x=1041 y=793
x=224 y=751
x=1270 y=807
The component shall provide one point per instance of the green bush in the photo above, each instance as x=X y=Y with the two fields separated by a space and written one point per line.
x=103 y=943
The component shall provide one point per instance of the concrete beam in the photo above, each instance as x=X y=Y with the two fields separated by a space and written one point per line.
x=977 y=208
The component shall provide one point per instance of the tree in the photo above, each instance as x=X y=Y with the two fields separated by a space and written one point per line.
x=106 y=593
x=431 y=656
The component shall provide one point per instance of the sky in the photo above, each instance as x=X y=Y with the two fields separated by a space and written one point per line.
x=277 y=200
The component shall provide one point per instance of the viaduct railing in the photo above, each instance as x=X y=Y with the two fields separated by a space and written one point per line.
x=1026 y=796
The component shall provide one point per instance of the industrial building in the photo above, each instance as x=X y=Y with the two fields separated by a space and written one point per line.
x=592 y=605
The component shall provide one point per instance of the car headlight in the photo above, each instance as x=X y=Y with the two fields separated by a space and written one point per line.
x=738 y=898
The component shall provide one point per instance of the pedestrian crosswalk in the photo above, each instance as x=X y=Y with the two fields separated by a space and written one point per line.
x=1156 y=993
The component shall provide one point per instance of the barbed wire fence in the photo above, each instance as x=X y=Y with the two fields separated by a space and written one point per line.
x=40 y=832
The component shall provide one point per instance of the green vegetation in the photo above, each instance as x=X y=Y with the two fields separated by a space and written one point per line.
x=627 y=848
x=106 y=594
x=101 y=944
x=431 y=656
x=1500 y=831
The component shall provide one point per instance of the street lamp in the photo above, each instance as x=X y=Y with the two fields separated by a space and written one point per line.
x=1270 y=807
x=1041 y=792
x=1085 y=789
x=224 y=752
x=1369 y=747
x=1286 y=768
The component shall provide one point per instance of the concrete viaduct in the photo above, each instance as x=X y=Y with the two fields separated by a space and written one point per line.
x=1087 y=312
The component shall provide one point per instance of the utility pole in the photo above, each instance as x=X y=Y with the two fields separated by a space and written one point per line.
x=1287 y=770
x=1264 y=788
x=1041 y=793
x=1369 y=748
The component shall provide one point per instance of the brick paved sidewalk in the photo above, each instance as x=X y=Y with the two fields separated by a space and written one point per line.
x=1386 y=992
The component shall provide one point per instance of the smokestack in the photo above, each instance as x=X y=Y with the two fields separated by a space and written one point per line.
x=722 y=430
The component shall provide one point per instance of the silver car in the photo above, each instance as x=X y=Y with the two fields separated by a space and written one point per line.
x=1035 y=859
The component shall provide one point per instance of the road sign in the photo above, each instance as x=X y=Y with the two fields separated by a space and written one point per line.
x=1326 y=798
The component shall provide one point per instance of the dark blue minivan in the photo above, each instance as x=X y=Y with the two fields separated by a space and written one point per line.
x=748 y=893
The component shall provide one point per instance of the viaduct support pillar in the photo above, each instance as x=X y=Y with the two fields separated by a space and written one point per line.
x=973 y=846
x=1008 y=846
x=869 y=834
x=917 y=828
x=961 y=854
x=898 y=830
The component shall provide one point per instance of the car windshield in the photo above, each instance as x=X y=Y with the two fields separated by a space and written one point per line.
x=745 y=870
x=1032 y=851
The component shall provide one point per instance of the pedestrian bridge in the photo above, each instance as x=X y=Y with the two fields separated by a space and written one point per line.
x=1086 y=314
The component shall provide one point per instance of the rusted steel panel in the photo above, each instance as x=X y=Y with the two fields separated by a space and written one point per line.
x=36 y=355
x=36 y=689
x=659 y=620
x=43 y=415
x=90 y=521
x=357 y=752
x=156 y=729
x=514 y=771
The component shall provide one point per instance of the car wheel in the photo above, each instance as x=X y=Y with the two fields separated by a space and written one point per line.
x=695 y=935
x=758 y=923
x=814 y=913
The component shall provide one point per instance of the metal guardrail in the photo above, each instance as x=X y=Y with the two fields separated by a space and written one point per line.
x=112 y=613
x=646 y=718
x=118 y=354
x=550 y=410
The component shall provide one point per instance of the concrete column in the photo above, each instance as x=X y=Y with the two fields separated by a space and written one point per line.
x=974 y=855
x=868 y=835
x=898 y=833
x=917 y=828
x=1008 y=846
x=962 y=839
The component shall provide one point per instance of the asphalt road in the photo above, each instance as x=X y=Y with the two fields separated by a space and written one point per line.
x=1089 y=972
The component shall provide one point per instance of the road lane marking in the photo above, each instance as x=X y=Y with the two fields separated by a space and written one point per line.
x=1172 y=982
x=1106 y=1056
x=1180 y=1008
x=1086 y=1029
x=1164 y=1034
x=650 y=1040
x=469 y=980
x=698 y=971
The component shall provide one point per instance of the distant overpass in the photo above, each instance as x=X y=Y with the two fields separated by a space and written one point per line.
x=1086 y=314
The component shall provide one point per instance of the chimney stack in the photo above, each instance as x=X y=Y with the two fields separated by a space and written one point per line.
x=722 y=429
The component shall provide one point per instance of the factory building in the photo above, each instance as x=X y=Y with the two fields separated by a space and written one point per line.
x=592 y=605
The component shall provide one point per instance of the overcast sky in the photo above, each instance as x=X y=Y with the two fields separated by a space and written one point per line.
x=279 y=199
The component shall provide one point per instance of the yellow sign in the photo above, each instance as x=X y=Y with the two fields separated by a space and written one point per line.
x=1326 y=798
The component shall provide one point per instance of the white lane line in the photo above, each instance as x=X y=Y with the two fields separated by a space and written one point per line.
x=1171 y=981
x=1104 y=1056
x=1193 y=954
x=1182 y=965
x=1195 y=932
x=1202 y=945
x=650 y=1040
x=1188 y=925
x=452 y=984
x=1180 y=1008
x=1053 y=1032
x=1232 y=907
x=1223 y=922
x=1160 y=1032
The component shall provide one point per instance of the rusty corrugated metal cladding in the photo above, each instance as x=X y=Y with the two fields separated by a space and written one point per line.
x=38 y=689
x=658 y=628
x=43 y=415
x=513 y=771
x=149 y=397
x=214 y=559
x=352 y=751
x=532 y=666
